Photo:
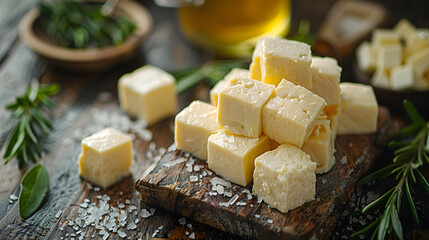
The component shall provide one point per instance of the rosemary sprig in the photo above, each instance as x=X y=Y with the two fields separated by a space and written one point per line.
x=211 y=72
x=78 y=24
x=411 y=149
x=23 y=142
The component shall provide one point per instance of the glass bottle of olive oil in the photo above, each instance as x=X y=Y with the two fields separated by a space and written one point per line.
x=231 y=28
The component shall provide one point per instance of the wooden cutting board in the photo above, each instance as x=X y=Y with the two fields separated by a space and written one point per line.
x=182 y=184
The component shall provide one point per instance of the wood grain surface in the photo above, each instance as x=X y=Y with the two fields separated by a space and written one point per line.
x=172 y=188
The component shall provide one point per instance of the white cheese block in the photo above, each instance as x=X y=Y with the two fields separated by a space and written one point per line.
x=232 y=156
x=326 y=75
x=402 y=77
x=148 y=93
x=106 y=157
x=382 y=37
x=381 y=79
x=236 y=72
x=281 y=58
x=420 y=63
x=389 y=56
x=332 y=112
x=417 y=41
x=359 y=111
x=240 y=106
x=284 y=178
x=320 y=145
x=366 y=57
x=405 y=29
x=255 y=65
x=194 y=125
x=290 y=116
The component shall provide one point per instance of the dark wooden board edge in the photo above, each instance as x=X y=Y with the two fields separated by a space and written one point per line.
x=171 y=189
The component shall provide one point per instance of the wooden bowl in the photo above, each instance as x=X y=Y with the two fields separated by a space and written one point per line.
x=393 y=99
x=96 y=59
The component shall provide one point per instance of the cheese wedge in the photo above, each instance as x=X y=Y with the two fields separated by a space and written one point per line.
x=106 y=157
x=232 y=156
x=194 y=125
x=284 y=178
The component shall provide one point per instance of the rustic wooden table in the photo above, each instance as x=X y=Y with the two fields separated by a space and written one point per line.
x=88 y=101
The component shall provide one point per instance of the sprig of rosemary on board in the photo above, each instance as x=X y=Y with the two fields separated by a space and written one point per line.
x=78 y=24
x=29 y=109
x=411 y=150
x=211 y=72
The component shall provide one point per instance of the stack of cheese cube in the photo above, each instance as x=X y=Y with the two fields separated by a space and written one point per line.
x=399 y=57
x=276 y=123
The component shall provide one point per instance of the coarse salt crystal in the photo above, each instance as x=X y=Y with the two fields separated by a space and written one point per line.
x=122 y=234
x=193 y=178
x=192 y=236
x=220 y=189
x=145 y=213
x=58 y=214
x=182 y=221
x=13 y=197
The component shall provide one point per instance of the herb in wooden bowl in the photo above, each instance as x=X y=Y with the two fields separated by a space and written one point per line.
x=23 y=143
x=77 y=24
x=410 y=146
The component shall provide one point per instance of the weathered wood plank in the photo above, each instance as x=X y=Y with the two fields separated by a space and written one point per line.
x=171 y=188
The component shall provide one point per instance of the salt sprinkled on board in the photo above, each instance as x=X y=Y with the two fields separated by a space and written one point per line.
x=343 y=160
x=182 y=221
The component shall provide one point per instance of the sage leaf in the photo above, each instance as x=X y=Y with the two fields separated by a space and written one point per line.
x=34 y=186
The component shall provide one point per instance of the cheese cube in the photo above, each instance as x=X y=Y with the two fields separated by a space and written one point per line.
x=381 y=79
x=420 y=62
x=326 y=75
x=405 y=29
x=214 y=92
x=232 y=156
x=382 y=37
x=417 y=41
x=284 y=178
x=359 y=112
x=148 y=93
x=402 y=77
x=194 y=125
x=389 y=56
x=106 y=157
x=281 y=58
x=320 y=145
x=255 y=65
x=332 y=112
x=366 y=56
x=240 y=106
x=290 y=116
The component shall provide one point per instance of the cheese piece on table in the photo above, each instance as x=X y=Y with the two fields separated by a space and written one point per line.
x=232 y=156
x=389 y=56
x=381 y=79
x=402 y=77
x=214 y=92
x=240 y=106
x=106 y=157
x=290 y=116
x=255 y=65
x=148 y=93
x=326 y=75
x=194 y=125
x=332 y=113
x=405 y=29
x=382 y=37
x=418 y=41
x=366 y=56
x=359 y=113
x=281 y=58
x=320 y=145
x=284 y=178
x=420 y=63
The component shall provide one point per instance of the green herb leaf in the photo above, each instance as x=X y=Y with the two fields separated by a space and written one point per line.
x=423 y=181
x=34 y=186
x=396 y=223
x=384 y=172
x=413 y=113
x=411 y=202
x=378 y=200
